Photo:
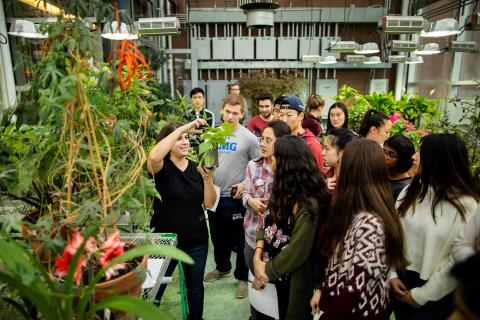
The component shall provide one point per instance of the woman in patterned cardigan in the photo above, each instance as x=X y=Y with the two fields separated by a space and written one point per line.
x=363 y=239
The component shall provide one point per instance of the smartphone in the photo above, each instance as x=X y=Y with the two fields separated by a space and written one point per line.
x=232 y=193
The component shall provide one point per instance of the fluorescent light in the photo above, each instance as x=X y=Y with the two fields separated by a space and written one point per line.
x=328 y=60
x=414 y=60
x=373 y=60
x=114 y=31
x=441 y=28
x=368 y=48
x=26 y=29
x=429 y=49
x=47 y=7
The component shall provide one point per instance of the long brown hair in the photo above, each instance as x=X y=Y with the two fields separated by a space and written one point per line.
x=296 y=181
x=445 y=169
x=364 y=187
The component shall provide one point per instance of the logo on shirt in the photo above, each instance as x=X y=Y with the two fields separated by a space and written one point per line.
x=229 y=146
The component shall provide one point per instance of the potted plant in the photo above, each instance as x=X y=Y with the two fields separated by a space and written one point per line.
x=42 y=295
x=211 y=139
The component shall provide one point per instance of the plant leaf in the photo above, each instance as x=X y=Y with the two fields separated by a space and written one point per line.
x=132 y=305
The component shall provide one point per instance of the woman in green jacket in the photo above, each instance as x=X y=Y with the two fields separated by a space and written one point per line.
x=299 y=202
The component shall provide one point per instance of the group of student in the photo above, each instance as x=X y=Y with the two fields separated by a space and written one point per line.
x=356 y=229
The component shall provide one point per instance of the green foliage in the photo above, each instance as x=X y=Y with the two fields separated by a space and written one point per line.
x=412 y=108
x=211 y=139
x=43 y=296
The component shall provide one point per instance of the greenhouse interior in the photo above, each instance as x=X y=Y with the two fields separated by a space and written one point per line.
x=240 y=159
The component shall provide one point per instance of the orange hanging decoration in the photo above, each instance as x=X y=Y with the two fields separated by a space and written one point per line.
x=130 y=57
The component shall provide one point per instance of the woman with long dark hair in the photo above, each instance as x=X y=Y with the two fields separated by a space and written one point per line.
x=186 y=191
x=299 y=201
x=258 y=182
x=375 y=126
x=433 y=210
x=362 y=239
x=337 y=116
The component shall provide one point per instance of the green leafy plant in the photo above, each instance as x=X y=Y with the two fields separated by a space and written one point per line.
x=211 y=139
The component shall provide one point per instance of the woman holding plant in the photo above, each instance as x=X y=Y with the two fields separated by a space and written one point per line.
x=185 y=191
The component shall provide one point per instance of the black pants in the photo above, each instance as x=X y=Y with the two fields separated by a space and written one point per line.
x=432 y=310
x=226 y=229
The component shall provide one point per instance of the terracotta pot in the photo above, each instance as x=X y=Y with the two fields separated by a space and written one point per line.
x=128 y=284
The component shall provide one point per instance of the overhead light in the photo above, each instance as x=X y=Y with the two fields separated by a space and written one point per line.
x=462 y=46
x=26 y=29
x=402 y=45
x=160 y=26
x=368 y=48
x=311 y=58
x=355 y=58
x=414 y=60
x=259 y=13
x=328 y=60
x=400 y=24
x=373 y=60
x=47 y=7
x=429 y=49
x=397 y=59
x=114 y=31
x=441 y=28
x=343 y=46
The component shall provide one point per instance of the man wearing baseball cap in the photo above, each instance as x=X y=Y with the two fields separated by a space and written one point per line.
x=291 y=111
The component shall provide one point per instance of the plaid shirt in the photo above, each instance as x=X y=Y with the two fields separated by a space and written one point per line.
x=258 y=183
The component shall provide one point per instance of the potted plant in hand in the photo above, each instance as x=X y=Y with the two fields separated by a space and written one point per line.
x=211 y=139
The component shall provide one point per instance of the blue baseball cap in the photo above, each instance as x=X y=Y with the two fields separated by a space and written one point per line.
x=293 y=103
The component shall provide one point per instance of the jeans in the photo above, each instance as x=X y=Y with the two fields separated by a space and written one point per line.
x=226 y=229
x=432 y=310
x=193 y=279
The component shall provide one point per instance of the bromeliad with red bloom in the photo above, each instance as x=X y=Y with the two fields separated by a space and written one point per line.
x=109 y=250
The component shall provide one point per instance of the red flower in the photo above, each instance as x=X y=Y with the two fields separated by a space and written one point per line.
x=111 y=249
x=62 y=263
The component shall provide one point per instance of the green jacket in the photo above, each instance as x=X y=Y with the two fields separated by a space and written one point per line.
x=297 y=259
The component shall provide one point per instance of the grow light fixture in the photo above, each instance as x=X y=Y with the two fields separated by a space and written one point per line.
x=114 y=31
x=311 y=58
x=373 y=60
x=26 y=29
x=355 y=59
x=328 y=60
x=368 y=48
x=462 y=46
x=441 y=28
x=429 y=49
x=400 y=24
x=343 y=46
x=402 y=45
x=397 y=59
x=47 y=7
x=414 y=60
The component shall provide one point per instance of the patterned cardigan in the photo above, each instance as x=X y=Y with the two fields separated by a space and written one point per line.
x=356 y=286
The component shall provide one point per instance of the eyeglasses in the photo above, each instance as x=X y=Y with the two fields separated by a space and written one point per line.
x=389 y=155
x=267 y=141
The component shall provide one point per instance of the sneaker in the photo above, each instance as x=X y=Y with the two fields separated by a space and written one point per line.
x=242 y=289
x=215 y=275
